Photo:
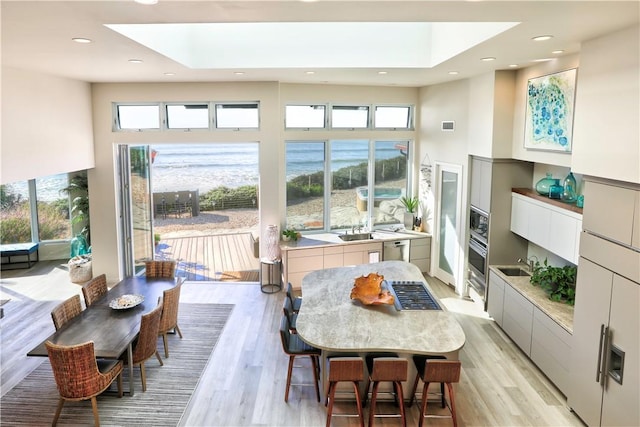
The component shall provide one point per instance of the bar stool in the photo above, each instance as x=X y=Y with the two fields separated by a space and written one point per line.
x=349 y=368
x=292 y=316
x=441 y=371
x=386 y=368
x=296 y=302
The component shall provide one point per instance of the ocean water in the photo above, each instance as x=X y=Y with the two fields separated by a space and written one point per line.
x=207 y=166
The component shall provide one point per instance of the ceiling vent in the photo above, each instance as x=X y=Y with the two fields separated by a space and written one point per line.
x=448 y=126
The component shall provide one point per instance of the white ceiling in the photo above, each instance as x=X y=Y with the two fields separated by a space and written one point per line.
x=36 y=35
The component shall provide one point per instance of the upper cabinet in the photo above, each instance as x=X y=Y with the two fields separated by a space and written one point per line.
x=618 y=215
x=481 y=184
x=554 y=228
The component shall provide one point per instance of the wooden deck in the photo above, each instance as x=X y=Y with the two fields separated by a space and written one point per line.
x=220 y=257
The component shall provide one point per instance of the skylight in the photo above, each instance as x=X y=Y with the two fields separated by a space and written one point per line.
x=312 y=44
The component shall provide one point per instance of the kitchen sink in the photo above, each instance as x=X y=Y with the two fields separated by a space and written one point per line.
x=514 y=271
x=355 y=236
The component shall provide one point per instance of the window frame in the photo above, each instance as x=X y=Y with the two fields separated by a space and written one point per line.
x=347 y=107
x=410 y=117
x=215 y=121
x=325 y=120
x=117 y=127
x=165 y=108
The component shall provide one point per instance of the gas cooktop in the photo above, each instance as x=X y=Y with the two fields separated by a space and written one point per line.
x=412 y=295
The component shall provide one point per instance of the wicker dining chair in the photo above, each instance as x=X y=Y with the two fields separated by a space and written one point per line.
x=169 y=318
x=94 y=289
x=146 y=345
x=164 y=269
x=65 y=311
x=79 y=376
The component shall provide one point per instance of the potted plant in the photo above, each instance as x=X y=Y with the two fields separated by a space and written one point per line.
x=558 y=282
x=411 y=205
x=290 y=234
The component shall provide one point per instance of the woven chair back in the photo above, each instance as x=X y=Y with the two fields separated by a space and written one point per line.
x=148 y=337
x=170 y=304
x=163 y=269
x=66 y=311
x=94 y=289
x=76 y=371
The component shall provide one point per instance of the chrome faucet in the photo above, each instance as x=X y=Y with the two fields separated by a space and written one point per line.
x=529 y=262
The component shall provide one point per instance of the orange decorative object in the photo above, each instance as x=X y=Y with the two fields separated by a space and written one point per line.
x=368 y=290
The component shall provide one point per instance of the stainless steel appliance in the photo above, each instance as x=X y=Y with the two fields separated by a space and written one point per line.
x=411 y=295
x=397 y=250
x=477 y=250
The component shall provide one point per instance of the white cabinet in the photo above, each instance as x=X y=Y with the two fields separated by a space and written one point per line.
x=517 y=318
x=333 y=257
x=553 y=228
x=495 y=295
x=550 y=348
x=481 y=184
x=299 y=262
x=420 y=253
x=362 y=253
x=620 y=224
x=606 y=317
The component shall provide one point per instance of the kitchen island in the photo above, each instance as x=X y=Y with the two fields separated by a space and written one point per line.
x=331 y=321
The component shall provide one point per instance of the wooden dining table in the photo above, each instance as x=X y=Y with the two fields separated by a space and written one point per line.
x=111 y=330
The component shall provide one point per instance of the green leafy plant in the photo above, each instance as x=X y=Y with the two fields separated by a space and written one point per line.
x=558 y=282
x=410 y=203
x=290 y=233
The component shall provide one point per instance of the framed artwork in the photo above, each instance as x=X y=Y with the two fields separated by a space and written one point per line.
x=549 y=116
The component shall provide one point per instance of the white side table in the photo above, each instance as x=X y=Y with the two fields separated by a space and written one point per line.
x=270 y=275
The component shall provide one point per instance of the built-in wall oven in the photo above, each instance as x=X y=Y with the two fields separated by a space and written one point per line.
x=477 y=250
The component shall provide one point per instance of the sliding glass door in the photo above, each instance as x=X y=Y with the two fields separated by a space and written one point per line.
x=136 y=209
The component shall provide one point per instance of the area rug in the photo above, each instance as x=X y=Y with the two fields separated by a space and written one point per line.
x=238 y=276
x=33 y=401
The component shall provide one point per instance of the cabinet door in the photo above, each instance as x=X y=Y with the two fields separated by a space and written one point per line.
x=562 y=236
x=519 y=216
x=517 y=318
x=616 y=221
x=620 y=402
x=539 y=222
x=593 y=295
x=495 y=295
x=481 y=184
x=635 y=238
x=333 y=257
x=550 y=346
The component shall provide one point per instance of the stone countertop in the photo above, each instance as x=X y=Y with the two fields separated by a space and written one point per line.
x=560 y=312
x=332 y=239
x=330 y=320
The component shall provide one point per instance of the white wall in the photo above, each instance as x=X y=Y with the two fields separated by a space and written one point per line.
x=607 y=121
x=46 y=125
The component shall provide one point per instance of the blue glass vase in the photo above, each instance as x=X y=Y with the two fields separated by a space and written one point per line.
x=555 y=190
x=569 y=189
x=542 y=186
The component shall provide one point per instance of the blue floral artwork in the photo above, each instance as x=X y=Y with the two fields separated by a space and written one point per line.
x=549 y=117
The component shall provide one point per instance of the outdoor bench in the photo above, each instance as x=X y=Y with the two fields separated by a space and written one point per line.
x=19 y=250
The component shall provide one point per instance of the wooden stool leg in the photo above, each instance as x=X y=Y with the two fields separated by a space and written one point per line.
x=330 y=396
x=400 y=401
x=374 y=394
x=452 y=401
x=289 y=371
x=423 y=405
x=96 y=417
x=358 y=403
x=413 y=390
x=58 y=410
x=314 y=364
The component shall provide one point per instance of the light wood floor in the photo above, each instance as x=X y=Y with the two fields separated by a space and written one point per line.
x=243 y=384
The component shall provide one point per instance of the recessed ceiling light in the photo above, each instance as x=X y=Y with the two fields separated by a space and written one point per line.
x=146 y=2
x=513 y=65
x=542 y=60
x=453 y=73
x=382 y=73
x=239 y=73
x=557 y=51
x=488 y=58
x=309 y=72
x=136 y=61
x=169 y=74
x=81 y=40
x=541 y=38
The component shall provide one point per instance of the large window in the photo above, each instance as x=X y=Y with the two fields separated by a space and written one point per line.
x=341 y=184
x=36 y=210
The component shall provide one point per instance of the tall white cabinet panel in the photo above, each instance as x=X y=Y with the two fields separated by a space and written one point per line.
x=614 y=217
x=591 y=312
x=481 y=184
x=620 y=403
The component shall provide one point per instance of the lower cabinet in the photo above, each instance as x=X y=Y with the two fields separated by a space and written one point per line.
x=517 y=318
x=420 y=253
x=546 y=343
x=299 y=262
